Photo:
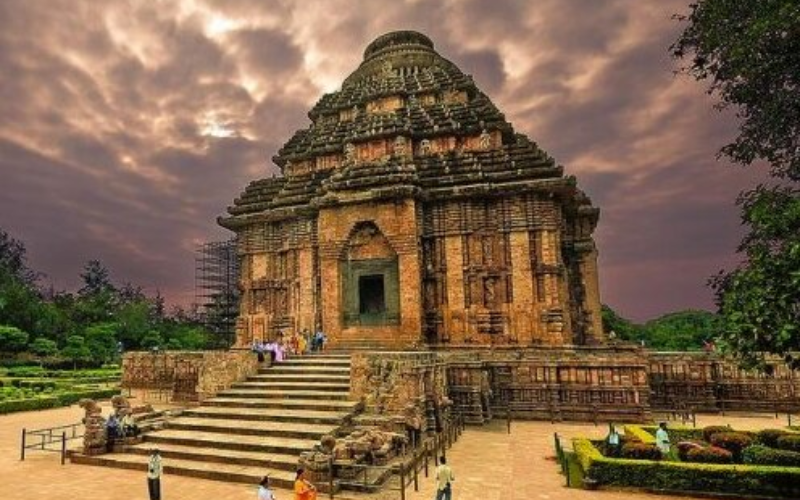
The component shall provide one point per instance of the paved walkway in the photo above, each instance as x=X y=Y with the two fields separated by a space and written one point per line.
x=489 y=465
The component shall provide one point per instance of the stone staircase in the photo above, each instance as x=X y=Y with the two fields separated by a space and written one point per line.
x=256 y=427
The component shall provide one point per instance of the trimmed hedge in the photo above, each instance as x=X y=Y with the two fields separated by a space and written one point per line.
x=638 y=433
x=789 y=443
x=709 y=455
x=641 y=451
x=741 y=480
x=734 y=442
x=54 y=401
x=710 y=430
x=763 y=455
x=769 y=437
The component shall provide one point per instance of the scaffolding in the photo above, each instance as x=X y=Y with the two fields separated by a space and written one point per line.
x=217 y=290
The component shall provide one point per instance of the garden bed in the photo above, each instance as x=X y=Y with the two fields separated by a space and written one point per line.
x=761 y=465
x=33 y=388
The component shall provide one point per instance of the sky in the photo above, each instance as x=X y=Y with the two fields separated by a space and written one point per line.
x=127 y=127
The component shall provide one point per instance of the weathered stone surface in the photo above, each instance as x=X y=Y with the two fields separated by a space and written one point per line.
x=184 y=376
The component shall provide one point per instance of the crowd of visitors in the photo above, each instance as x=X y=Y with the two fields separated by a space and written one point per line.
x=296 y=344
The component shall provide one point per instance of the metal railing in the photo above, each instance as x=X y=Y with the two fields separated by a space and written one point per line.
x=413 y=462
x=44 y=439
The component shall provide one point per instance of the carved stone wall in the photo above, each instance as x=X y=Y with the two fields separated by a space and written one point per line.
x=707 y=382
x=184 y=376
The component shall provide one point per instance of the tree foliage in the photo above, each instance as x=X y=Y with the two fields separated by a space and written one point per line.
x=749 y=54
x=688 y=330
x=87 y=326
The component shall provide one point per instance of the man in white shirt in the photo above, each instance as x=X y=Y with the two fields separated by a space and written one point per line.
x=662 y=438
x=264 y=493
x=154 y=471
x=444 y=476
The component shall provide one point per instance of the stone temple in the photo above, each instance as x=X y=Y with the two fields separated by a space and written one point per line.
x=410 y=213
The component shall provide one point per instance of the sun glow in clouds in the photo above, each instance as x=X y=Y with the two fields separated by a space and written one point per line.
x=212 y=126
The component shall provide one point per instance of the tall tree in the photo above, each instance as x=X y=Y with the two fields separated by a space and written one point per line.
x=749 y=53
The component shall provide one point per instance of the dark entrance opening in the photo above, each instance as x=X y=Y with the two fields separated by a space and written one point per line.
x=371 y=296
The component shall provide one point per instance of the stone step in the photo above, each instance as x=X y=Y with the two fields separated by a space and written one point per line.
x=325 y=404
x=252 y=458
x=299 y=386
x=308 y=378
x=252 y=393
x=251 y=428
x=291 y=446
x=310 y=369
x=268 y=414
x=314 y=361
x=192 y=468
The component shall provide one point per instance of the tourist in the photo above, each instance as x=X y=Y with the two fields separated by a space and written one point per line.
x=280 y=351
x=303 y=489
x=154 y=470
x=444 y=477
x=112 y=431
x=302 y=344
x=264 y=493
x=129 y=427
x=662 y=438
x=319 y=340
x=613 y=441
x=294 y=343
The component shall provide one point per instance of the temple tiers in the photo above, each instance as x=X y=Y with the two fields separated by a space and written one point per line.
x=410 y=212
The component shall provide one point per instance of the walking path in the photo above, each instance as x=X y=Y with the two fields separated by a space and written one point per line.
x=489 y=464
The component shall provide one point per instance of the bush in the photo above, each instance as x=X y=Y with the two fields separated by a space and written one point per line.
x=641 y=451
x=684 y=447
x=635 y=433
x=763 y=455
x=709 y=455
x=734 y=442
x=769 y=437
x=710 y=430
x=789 y=443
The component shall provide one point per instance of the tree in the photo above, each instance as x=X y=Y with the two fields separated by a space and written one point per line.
x=13 y=260
x=101 y=340
x=624 y=329
x=76 y=350
x=97 y=299
x=682 y=330
x=749 y=52
x=12 y=339
x=43 y=347
x=152 y=340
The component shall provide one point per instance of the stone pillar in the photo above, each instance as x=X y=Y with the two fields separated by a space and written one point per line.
x=523 y=310
x=555 y=316
x=588 y=266
x=455 y=322
x=305 y=311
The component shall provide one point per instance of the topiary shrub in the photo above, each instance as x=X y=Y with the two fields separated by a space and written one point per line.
x=641 y=451
x=714 y=429
x=734 y=442
x=763 y=455
x=769 y=437
x=709 y=455
x=684 y=447
x=789 y=443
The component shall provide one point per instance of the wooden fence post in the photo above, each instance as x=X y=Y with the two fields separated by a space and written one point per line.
x=22 y=448
x=63 y=447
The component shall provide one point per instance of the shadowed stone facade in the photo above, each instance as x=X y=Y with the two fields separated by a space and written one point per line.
x=410 y=212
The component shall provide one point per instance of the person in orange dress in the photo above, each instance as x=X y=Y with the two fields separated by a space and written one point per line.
x=303 y=490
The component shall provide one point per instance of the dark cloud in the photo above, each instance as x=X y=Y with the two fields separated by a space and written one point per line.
x=127 y=127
